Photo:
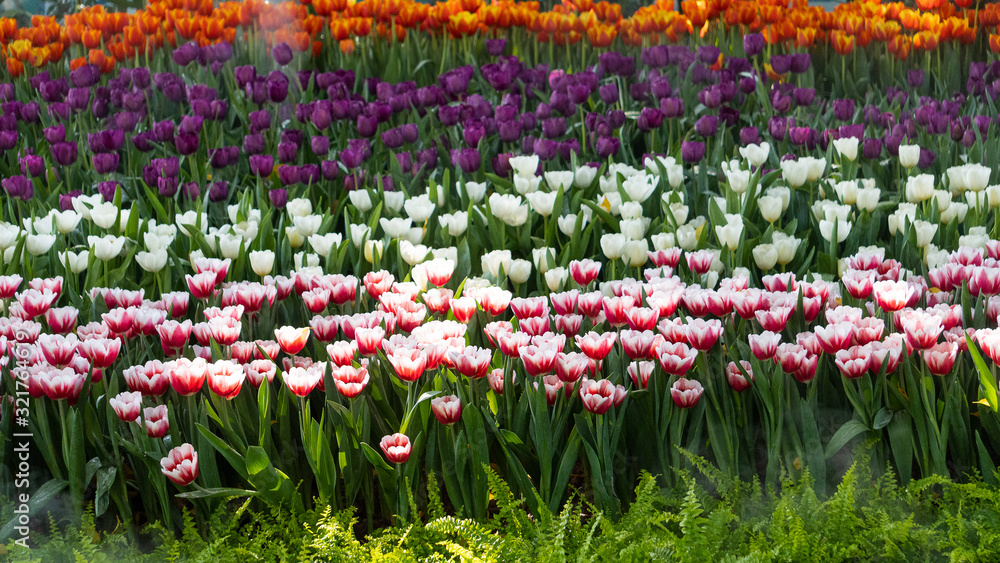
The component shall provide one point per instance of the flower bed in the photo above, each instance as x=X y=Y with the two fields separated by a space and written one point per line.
x=288 y=273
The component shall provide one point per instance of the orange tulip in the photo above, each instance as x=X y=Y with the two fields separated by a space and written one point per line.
x=601 y=36
x=323 y=7
x=995 y=43
x=340 y=30
x=843 y=44
x=77 y=63
x=91 y=38
x=19 y=49
x=14 y=67
x=925 y=41
x=900 y=47
x=347 y=46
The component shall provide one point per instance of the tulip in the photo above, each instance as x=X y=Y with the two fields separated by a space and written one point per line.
x=292 y=340
x=676 y=358
x=736 y=378
x=187 y=376
x=686 y=392
x=940 y=358
x=599 y=396
x=408 y=363
x=350 y=381
x=447 y=409
x=181 y=465
x=396 y=448
x=301 y=381
x=763 y=346
x=892 y=296
x=127 y=405
x=225 y=378
x=156 y=421
x=258 y=370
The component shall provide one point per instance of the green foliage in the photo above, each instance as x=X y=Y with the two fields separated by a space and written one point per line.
x=867 y=518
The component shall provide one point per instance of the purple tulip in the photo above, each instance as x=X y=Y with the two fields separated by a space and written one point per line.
x=186 y=54
x=639 y=91
x=18 y=186
x=707 y=125
x=654 y=57
x=410 y=132
x=749 y=136
x=567 y=147
x=32 y=165
x=608 y=93
x=872 y=149
x=915 y=78
x=29 y=112
x=927 y=158
x=186 y=144
x=427 y=159
x=287 y=152
x=799 y=135
x=608 y=146
x=309 y=174
x=329 y=169
x=288 y=175
x=261 y=164
x=320 y=145
x=66 y=200
x=554 y=127
x=278 y=197
x=218 y=191
x=708 y=54
x=781 y=64
x=367 y=125
x=692 y=151
x=495 y=47
x=85 y=76
x=107 y=190
x=800 y=62
x=501 y=164
x=167 y=186
x=63 y=153
x=546 y=149
x=277 y=87
x=105 y=163
x=253 y=143
x=649 y=119
x=468 y=159
x=671 y=108
x=190 y=124
x=753 y=44
x=804 y=96
x=78 y=99
x=245 y=75
x=778 y=127
x=282 y=54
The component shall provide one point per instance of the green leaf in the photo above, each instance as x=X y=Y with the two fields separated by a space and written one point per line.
x=848 y=431
x=39 y=499
x=221 y=492
x=986 y=380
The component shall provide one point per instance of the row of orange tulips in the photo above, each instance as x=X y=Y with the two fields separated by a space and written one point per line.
x=105 y=38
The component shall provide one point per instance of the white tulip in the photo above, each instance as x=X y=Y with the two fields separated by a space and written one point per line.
x=584 y=176
x=414 y=235
x=448 y=253
x=152 y=261
x=613 y=245
x=373 y=248
x=843 y=229
x=361 y=199
x=520 y=270
x=419 y=208
x=639 y=187
x=847 y=147
x=39 y=244
x=525 y=186
x=955 y=211
x=544 y=258
x=559 y=179
x=925 y=232
x=731 y=233
x=78 y=260
x=766 y=256
x=262 y=261
x=794 y=172
x=868 y=199
x=188 y=221
x=394 y=200
x=456 y=222
x=82 y=204
x=556 y=278
x=253 y=215
x=106 y=247
x=687 y=237
x=66 y=221
x=359 y=233
x=634 y=229
x=323 y=244
x=229 y=245
x=299 y=207
x=756 y=154
x=786 y=246
x=737 y=178
x=817 y=166
x=524 y=166
x=295 y=237
x=847 y=191
x=909 y=155
x=476 y=191
x=493 y=261
x=301 y=261
x=104 y=215
x=636 y=252
x=770 y=207
x=919 y=188
x=783 y=193
x=542 y=202
x=612 y=201
x=567 y=224
x=663 y=241
x=8 y=235
x=395 y=227
x=412 y=254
